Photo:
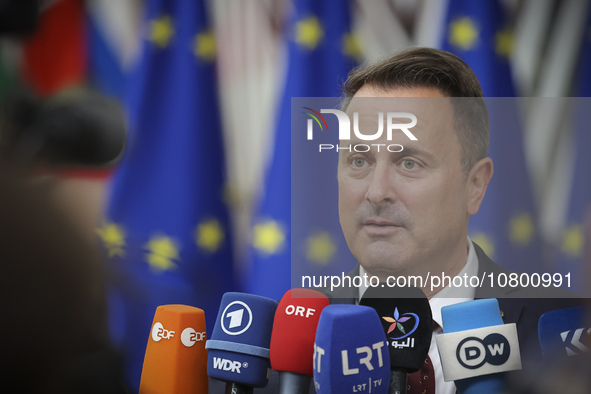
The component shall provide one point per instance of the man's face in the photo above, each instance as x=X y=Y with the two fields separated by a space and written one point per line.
x=406 y=212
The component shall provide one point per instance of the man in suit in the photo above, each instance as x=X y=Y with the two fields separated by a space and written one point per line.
x=405 y=212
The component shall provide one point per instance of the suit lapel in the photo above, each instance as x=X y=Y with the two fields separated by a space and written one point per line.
x=511 y=311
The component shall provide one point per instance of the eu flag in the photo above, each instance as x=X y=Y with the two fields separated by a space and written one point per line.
x=321 y=50
x=572 y=246
x=167 y=230
x=506 y=225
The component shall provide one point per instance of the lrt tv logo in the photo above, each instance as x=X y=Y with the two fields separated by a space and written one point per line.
x=392 y=123
x=473 y=352
x=236 y=318
x=361 y=356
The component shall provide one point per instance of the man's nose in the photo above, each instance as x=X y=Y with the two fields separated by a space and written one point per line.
x=381 y=189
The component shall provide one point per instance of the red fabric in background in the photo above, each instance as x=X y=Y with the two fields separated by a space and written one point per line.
x=55 y=57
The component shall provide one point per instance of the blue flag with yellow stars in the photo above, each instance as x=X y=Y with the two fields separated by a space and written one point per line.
x=167 y=230
x=506 y=225
x=321 y=50
x=572 y=258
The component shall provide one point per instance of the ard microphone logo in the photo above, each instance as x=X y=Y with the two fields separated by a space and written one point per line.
x=473 y=352
x=236 y=318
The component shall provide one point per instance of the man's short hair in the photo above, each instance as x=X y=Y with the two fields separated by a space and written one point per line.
x=433 y=68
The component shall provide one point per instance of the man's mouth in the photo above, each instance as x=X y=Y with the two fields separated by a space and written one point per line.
x=380 y=223
x=380 y=228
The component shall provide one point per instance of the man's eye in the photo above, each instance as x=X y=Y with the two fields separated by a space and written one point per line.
x=409 y=164
x=358 y=163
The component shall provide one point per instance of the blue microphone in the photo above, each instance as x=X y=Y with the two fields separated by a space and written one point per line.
x=238 y=351
x=564 y=332
x=476 y=346
x=350 y=352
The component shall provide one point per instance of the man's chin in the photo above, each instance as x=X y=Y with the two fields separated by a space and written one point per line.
x=384 y=263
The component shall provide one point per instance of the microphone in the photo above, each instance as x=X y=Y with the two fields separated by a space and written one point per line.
x=176 y=359
x=77 y=127
x=239 y=344
x=405 y=316
x=476 y=346
x=292 y=339
x=564 y=332
x=350 y=354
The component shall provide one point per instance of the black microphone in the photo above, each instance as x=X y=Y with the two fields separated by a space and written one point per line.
x=76 y=127
x=406 y=318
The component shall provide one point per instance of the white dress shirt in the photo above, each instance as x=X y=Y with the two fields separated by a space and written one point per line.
x=446 y=296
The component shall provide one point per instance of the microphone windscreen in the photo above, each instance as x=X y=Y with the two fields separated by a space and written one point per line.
x=565 y=332
x=405 y=315
x=240 y=341
x=476 y=346
x=350 y=354
x=469 y=315
x=176 y=359
x=294 y=330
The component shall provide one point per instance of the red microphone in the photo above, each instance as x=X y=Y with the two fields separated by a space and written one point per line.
x=292 y=339
x=176 y=359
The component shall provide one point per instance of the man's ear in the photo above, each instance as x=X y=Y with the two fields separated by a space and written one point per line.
x=478 y=180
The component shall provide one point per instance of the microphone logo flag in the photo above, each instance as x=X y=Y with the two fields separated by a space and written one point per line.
x=228 y=365
x=299 y=311
x=236 y=318
x=159 y=332
x=189 y=336
x=479 y=351
x=576 y=342
x=474 y=352
x=396 y=323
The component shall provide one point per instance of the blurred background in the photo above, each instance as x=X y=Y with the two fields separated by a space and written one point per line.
x=159 y=128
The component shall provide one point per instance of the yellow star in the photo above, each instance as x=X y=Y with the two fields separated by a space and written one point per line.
x=113 y=237
x=209 y=235
x=161 y=31
x=269 y=238
x=351 y=46
x=572 y=240
x=308 y=32
x=162 y=250
x=463 y=33
x=205 y=46
x=521 y=229
x=320 y=248
x=485 y=242
x=504 y=42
